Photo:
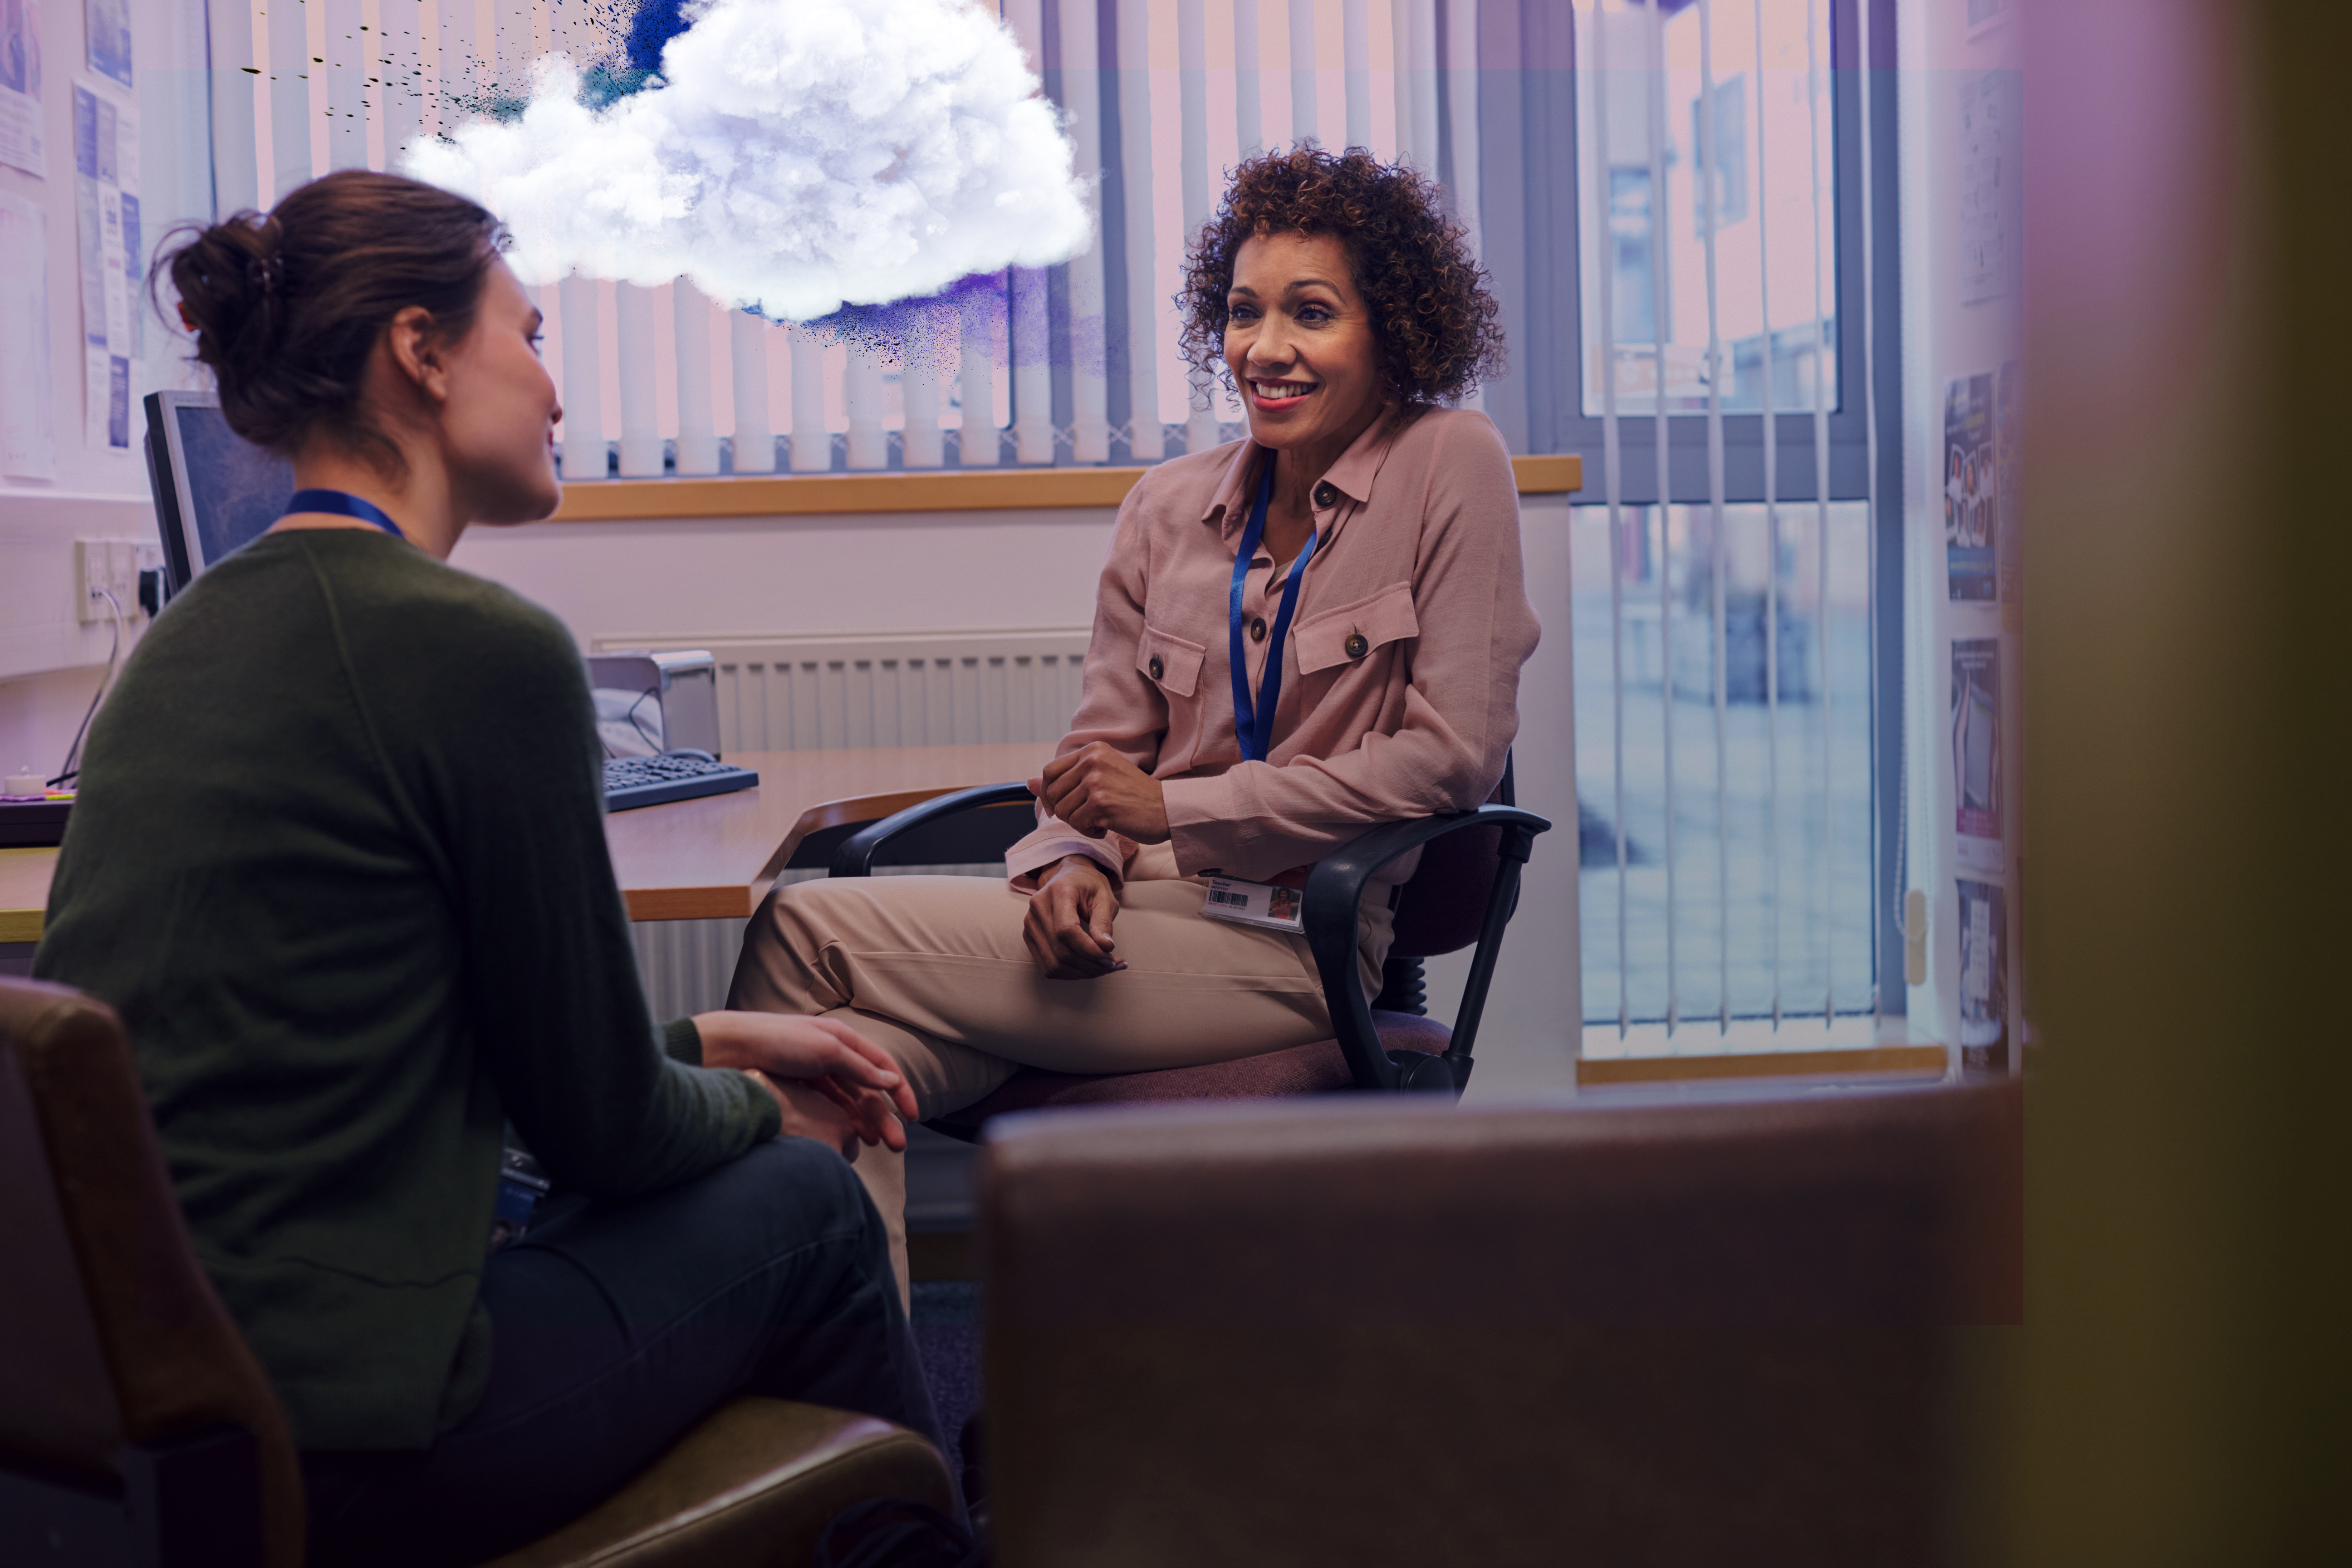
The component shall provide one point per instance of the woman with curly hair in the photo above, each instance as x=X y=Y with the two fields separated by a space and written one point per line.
x=1298 y=635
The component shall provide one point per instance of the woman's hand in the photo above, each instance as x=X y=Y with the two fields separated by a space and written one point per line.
x=806 y=1113
x=1096 y=790
x=1067 y=928
x=807 y=1062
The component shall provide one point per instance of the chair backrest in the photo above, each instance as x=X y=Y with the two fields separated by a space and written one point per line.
x=1443 y=908
x=110 y=1335
x=1384 y=1330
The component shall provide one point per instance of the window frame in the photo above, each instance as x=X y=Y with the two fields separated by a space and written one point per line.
x=1527 y=120
x=1530 y=128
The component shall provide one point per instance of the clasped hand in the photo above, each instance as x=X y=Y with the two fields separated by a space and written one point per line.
x=1096 y=790
x=830 y=1082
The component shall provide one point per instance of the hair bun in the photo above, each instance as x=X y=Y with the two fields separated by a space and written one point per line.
x=287 y=307
x=225 y=274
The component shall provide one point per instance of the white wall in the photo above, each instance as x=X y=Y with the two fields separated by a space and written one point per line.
x=1534 y=1013
x=50 y=661
x=46 y=654
x=747 y=576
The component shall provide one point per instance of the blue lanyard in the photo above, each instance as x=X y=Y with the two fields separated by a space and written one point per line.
x=1254 y=721
x=343 y=503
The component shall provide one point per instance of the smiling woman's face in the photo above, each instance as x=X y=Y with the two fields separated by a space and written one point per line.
x=1300 y=342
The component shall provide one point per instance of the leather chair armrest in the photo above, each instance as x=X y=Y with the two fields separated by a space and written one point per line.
x=756 y=1483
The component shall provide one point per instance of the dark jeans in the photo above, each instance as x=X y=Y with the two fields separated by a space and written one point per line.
x=616 y=1327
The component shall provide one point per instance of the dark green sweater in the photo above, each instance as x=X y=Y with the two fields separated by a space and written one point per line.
x=339 y=859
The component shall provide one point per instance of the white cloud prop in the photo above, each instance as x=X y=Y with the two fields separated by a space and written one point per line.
x=800 y=154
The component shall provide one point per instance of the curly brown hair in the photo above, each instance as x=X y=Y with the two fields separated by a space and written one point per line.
x=1440 y=332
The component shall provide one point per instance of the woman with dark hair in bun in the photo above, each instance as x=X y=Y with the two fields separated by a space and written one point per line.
x=1298 y=635
x=339 y=861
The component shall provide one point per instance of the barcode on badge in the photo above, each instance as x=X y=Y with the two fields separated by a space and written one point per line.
x=1252 y=904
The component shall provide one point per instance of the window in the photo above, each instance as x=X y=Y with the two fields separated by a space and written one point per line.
x=1736 y=651
x=1746 y=890
x=1670 y=197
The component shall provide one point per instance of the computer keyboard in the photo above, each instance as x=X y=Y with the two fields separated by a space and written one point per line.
x=632 y=782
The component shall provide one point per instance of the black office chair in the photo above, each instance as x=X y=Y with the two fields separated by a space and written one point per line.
x=1464 y=891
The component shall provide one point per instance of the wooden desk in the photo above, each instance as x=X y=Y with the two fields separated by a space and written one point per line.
x=24 y=892
x=712 y=859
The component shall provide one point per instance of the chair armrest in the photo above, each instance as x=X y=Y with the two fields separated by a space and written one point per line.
x=1335 y=891
x=855 y=856
x=756 y=1480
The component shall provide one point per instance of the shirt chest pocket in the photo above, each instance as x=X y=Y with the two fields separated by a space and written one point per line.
x=1350 y=634
x=1172 y=663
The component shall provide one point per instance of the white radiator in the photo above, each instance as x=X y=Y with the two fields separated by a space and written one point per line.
x=888 y=689
x=882 y=688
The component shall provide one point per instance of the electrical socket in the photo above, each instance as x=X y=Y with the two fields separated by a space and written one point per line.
x=103 y=566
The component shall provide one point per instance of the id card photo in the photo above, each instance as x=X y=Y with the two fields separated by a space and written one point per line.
x=1253 y=903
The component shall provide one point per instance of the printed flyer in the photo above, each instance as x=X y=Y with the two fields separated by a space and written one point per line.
x=20 y=87
x=1984 y=978
x=106 y=209
x=1984 y=203
x=1969 y=489
x=1976 y=751
x=108 y=23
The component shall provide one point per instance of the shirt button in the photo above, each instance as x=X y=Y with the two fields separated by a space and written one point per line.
x=1158 y=668
x=1257 y=629
x=1326 y=496
x=1357 y=647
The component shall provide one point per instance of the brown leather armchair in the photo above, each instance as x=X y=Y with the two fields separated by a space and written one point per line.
x=1382 y=1329
x=137 y=1427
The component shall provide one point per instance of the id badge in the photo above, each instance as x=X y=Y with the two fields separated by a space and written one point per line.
x=1266 y=904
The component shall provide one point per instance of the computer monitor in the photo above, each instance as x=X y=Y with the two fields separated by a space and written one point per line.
x=215 y=490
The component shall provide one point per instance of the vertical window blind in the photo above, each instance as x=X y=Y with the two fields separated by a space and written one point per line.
x=1726 y=670
x=1070 y=364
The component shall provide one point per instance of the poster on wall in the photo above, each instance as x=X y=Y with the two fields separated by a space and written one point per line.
x=106 y=211
x=1984 y=201
x=108 y=25
x=1970 y=490
x=2008 y=434
x=1984 y=978
x=1976 y=751
x=20 y=87
x=28 y=436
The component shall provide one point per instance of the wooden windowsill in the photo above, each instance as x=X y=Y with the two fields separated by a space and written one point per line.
x=1869 y=1061
x=975 y=490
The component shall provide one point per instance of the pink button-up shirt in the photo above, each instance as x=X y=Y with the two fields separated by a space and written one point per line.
x=1401 y=674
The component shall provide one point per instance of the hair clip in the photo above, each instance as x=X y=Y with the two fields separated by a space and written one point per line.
x=263 y=275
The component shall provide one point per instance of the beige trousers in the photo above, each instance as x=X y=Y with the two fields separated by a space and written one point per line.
x=933 y=970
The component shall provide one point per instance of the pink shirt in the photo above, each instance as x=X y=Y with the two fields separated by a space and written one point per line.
x=1401 y=674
